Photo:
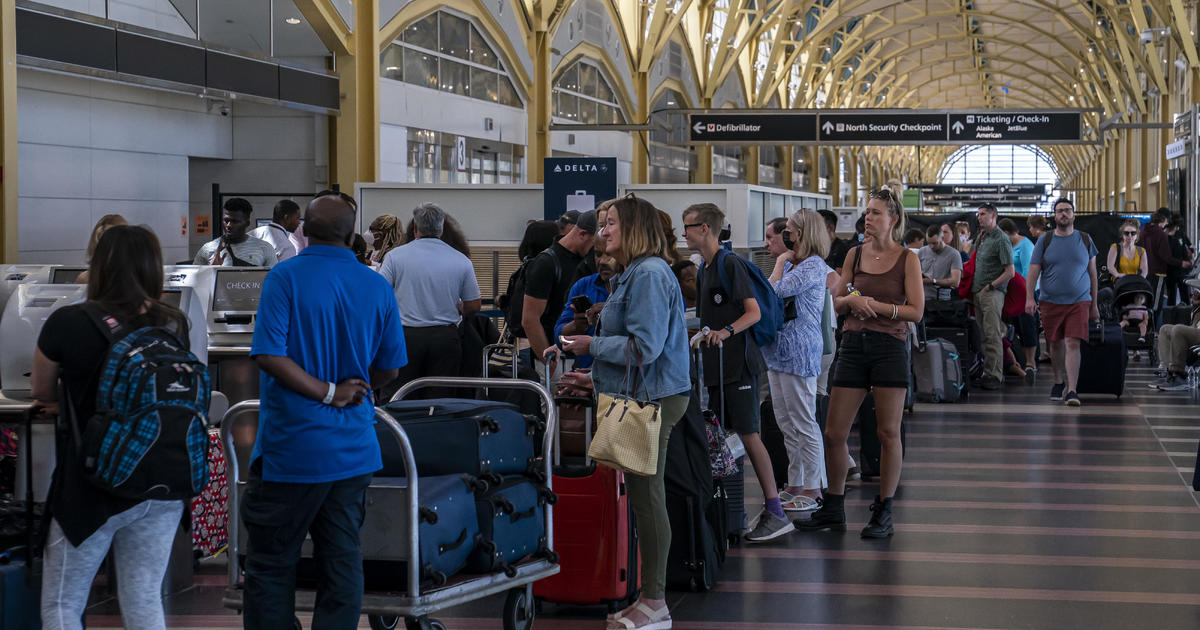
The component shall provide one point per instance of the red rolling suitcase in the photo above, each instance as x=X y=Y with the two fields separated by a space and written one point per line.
x=594 y=535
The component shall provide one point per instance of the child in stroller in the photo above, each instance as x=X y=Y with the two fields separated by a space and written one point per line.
x=1136 y=312
x=1128 y=302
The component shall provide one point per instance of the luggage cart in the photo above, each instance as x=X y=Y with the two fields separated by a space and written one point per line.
x=414 y=604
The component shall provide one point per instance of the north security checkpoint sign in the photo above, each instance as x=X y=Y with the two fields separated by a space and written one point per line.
x=1007 y=127
x=980 y=189
x=577 y=184
x=882 y=128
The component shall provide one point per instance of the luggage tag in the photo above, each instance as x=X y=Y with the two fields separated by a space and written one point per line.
x=735 y=445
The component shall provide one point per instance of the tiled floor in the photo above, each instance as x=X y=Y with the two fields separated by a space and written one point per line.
x=1014 y=512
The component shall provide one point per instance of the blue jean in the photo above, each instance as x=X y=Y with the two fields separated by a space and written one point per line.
x=277 y=517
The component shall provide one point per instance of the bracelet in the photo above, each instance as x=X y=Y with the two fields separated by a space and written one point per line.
x=329 y=395
x=895 y=311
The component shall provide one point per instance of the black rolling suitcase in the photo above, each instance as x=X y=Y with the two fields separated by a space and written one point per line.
x=1102 y=361
x=733 y=487
x=697 y=520
x=868 y=439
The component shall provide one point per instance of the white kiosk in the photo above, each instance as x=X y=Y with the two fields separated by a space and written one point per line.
x=233 y=306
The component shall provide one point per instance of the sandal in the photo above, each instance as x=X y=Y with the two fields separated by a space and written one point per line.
x=801 y=503
x=655 y=619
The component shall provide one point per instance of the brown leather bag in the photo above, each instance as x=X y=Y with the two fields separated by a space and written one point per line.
x=575 y=404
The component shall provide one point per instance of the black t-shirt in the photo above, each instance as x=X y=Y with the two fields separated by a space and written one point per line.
x=72 y=340
x=719 y=306
x=837 y=253
x=541 y=283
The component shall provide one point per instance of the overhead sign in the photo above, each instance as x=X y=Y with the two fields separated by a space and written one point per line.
x=577 y=184
x=1176 y=149
x=1183 y=125
x=1006 y=127
x=887 y=127
x=883 y=128
x=980 y=189
x=752 y=128
x=982 y=198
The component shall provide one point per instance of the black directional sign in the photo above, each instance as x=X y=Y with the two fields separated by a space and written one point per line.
x=882 y=128
x=982 y=198
x=753 y=128
x=980 y=189
x=1008 y=127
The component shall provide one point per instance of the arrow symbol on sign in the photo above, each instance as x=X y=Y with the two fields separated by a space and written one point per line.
x=827 y=127
x=698 y=127
x=957 y=127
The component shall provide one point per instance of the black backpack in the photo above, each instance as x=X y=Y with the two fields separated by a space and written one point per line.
x=512 y=302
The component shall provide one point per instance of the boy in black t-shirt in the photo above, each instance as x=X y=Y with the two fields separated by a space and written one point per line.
x=729 y=310
x=549 y=278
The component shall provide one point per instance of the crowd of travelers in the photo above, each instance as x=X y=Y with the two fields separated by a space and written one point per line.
x=609 y=289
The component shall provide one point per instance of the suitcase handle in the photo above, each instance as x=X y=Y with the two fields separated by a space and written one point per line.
x=519 y=516
x=462 y=538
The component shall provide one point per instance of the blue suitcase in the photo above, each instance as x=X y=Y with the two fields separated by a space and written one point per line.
x=512 y=525
x=19 y=598
x=479 y=437
x=449 y=528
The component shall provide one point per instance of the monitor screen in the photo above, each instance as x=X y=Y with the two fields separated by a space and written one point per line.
x=172 y=297
x=238 y=289
x=66 y=275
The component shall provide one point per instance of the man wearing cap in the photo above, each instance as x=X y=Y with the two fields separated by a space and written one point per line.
x=435 y=287
x=550 y=275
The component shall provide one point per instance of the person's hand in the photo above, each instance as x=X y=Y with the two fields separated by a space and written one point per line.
x=579 y=345
x=926 y=279
x=717 y=337
x=1030 y=306
x=350 y=393
x=1187 y=264
x=1095 y=313
x=218 y=257
x=550 y=355
x=45 y=410
x=575 y=383
x=593 y=314
x=862 y=307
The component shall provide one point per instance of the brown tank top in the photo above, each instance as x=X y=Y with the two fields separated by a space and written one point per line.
x=886 y=288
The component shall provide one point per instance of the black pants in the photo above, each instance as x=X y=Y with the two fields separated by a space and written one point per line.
x=277 y=518
x=432 y=351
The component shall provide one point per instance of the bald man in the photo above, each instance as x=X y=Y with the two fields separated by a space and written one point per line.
x=327 y=332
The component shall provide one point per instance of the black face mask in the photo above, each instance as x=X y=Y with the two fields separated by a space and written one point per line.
x=788 y=242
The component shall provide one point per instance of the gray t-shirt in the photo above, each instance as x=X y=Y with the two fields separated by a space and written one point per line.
x=255 y=251
x=1064 y=265
x=938 y=266
x=430 y=278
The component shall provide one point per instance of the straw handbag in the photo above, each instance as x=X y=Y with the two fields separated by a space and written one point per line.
x=627 y=436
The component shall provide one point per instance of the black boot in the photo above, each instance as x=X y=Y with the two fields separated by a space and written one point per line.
x=831 y=515
x=881 y=519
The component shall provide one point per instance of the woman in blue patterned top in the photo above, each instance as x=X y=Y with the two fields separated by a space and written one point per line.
x=794 y=358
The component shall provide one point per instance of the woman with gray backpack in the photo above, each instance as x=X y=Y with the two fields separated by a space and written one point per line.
x=134 y=505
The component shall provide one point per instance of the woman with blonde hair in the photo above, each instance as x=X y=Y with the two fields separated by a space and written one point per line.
x=105 y=222
x=1126 y=258
x=388 y=234
x=642 y=323
x=794 y=358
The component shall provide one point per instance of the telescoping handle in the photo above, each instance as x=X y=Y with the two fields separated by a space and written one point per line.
x=698 y=341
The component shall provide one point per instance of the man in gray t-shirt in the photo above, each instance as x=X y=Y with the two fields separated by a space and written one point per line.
x=235 y=247
x=941 y=266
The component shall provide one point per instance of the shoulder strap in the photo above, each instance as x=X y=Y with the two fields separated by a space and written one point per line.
x=1087 y=241
x=1046 y=243
x=105 y=323
x=549 y=251
x=722 y=273
x=857 y=258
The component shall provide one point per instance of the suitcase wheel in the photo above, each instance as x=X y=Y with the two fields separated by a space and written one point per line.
x=519 y=610
x=427 y=515
x=380 y=622
x=509 y=570
x=423 y=623
x=547 y=496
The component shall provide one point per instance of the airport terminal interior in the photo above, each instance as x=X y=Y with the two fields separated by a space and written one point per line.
x=1013 y=511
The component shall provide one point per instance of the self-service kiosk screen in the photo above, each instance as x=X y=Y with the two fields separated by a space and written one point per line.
x=66 y=275
x=238 y=290
x=172 y=297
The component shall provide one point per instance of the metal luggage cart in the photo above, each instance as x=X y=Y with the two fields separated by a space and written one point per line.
x=413 y=605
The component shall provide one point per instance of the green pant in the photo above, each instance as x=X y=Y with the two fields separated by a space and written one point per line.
x=989 y=311
x=647 y=495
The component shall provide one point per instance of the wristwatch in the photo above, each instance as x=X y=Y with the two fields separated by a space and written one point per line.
x=730 y=329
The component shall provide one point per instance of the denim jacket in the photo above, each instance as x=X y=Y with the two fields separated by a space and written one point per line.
x=646 y=305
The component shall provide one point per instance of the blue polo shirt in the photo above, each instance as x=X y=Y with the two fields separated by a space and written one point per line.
x=596 y=291
x=337 y=319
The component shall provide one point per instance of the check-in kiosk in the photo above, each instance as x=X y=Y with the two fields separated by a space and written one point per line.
x=13 y=276
x=235 y=293
x=64 y=274
x=189 y=288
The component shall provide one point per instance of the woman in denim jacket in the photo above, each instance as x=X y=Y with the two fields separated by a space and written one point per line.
x=646 y=306
x=794 y=358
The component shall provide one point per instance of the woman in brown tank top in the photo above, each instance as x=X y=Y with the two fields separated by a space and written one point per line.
x=880 y=293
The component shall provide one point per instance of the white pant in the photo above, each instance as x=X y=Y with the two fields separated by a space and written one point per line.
x=795 y=404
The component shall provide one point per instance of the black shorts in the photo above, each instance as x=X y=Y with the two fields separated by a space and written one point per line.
x=870 y=359
x=741 y=404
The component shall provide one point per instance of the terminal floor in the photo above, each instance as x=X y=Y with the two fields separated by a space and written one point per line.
x=1014 y=512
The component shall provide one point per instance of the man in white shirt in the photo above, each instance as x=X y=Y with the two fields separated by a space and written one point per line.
x=435 y=288
x=235 y=247
x=279 y=232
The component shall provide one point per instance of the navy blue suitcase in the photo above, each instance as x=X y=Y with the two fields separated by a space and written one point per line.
x=512 y=525
x=479 y=437
x=449 y=528
x=19 y=599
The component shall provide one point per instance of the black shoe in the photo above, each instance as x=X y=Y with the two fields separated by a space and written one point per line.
x=1072 y=399
x=1056 y=392
x=989 y=383
x=831 y=515
x=881 y=520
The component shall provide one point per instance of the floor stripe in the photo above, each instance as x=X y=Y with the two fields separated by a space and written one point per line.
x=966 y=558
x=959 y=592
x=1037 y=485
x=1025 y=466
x=1026 y=451
x=1028 y=530
x=1034 y=436
x=1035 y=506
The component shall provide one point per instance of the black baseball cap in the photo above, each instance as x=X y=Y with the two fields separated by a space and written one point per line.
x=570 y=217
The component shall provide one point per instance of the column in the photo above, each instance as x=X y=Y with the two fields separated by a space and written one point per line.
x=8 y=131
x=539 y=111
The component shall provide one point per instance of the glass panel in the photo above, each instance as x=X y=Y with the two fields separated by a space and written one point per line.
x=391 y=63
x=570 y=79
x=455 y=77
x=485 y=85
x=755 y=211
x=508 y=94
x=455 y=36
x=777 y=206
x=603 y=92
x=587 y=111
x=588 y=77
x=423 y=32
x=568 y=105
x=607 y=115
x=421 y=69
x=481 y=52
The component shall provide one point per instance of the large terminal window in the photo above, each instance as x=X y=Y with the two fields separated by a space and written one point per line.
x=582 y=94
x=443 y=51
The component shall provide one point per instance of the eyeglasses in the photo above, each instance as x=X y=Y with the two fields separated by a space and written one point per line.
x=691 y=225
x=1129 y=233
x=885 y=195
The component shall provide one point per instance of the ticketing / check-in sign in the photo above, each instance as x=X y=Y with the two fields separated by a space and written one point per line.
x=883 y=128
x=1007 y=127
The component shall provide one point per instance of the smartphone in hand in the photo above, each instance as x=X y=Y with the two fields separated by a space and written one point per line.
x=581 y=304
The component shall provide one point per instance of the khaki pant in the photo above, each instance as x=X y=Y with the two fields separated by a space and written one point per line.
x=989 y=308
x=1174 y=341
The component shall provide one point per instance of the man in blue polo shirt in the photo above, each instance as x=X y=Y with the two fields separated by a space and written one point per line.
x=327 y=330
x=595 y=289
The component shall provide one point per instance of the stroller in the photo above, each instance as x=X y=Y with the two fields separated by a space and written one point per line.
x=1116 y=302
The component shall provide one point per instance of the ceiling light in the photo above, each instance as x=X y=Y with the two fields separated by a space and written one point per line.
x=292 y=20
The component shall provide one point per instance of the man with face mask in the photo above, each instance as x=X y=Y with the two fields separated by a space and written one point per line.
x=235 y=247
